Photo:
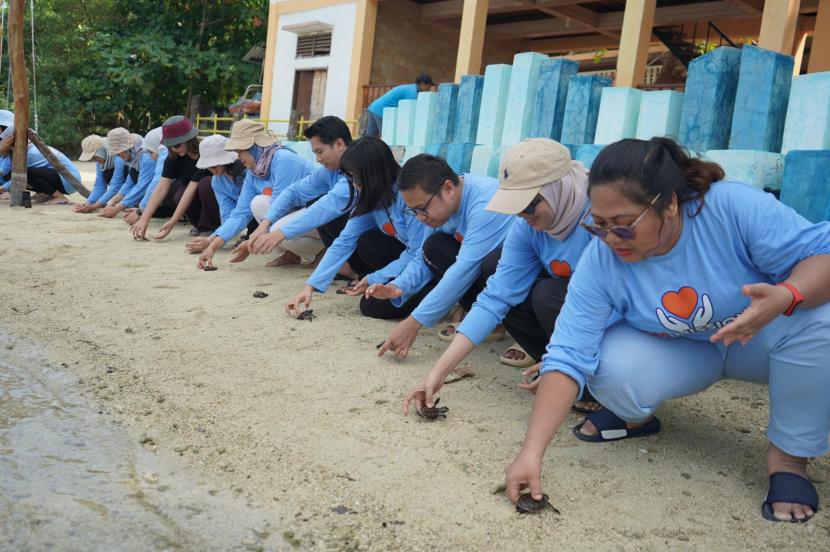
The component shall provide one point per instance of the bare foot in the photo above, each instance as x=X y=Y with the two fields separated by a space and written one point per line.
x=287 y=258
x=780 y=461
x=514 y=354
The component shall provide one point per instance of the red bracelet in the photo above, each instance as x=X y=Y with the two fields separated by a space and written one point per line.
x=797 y=297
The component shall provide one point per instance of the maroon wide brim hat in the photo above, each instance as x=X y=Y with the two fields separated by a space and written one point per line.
x=176 y=130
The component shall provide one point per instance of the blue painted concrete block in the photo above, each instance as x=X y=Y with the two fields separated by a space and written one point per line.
x=425 y=115
x=619 y=110
x=659 y=114
x=460 y=157
x=761 y=100
x=485 y=160
x=806 y=186
x=469 y=106
x=587 y=153
x=551 y=94
x=301 y=148
x=706 y=119
x=445 y=114
x=411 y=151
x=390 y=123
x=808 y=114
x=579 y=123
x=438 y=150
x=762 y=169
x=521 y=98
x=406 y=122
x=493 y=104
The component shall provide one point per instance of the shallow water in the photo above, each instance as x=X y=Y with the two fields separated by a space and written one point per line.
x=72 y=480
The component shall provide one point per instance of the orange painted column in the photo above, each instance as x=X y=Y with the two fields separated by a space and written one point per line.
x=471 y=38
x=361 y=66
x=820 y=52
x=778 y=25
x=268 y=62
x=634 y=44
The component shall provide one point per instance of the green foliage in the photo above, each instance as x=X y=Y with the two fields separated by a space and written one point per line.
x=133 y=63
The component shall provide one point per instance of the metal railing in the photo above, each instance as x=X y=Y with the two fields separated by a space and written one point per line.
x=215 y=122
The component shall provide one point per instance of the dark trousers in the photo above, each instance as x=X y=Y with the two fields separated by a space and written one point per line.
x=440 y=251
x=108 y=175
x=329 y=232
x=44 y=180
x=203 y=212
x=376 y=250
x=531 y=322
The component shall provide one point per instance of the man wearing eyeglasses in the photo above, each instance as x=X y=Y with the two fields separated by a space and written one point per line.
x=465 y=234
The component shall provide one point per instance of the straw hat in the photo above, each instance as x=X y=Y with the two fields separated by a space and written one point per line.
x=120 y=140
x=212 y=152
x=525 y=169
x=152 y=142
x=177 y=130
x=90 y=145
x=246 y=133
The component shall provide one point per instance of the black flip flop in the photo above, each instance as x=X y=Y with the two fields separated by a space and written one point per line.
x=789 y=487
x=612 y=428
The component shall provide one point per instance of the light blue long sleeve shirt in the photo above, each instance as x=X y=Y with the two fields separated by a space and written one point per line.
x=100 y=185
x=119 y=176
x=393 y=221
x=286 y=167
x=524 y=253
x=146 y=171
x=391 y=98
x=479 y=231
x=334 y=188
x=741 y=236
x=35 y=159
x=154 y=181
x=227 y=193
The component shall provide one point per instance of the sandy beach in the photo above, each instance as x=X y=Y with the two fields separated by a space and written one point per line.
x=303 y=421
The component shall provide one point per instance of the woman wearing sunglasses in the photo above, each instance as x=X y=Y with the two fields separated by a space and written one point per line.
x=381 y=232
x=710 y=280
x=549 y=193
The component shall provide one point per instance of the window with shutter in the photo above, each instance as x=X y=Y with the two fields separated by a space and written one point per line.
x=313 y=45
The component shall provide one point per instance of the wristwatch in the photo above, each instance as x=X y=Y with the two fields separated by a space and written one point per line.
x=797 y=297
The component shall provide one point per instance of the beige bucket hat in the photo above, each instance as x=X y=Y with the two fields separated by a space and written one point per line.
x=120 y=140
x=525 y=169
x=90 y=145
x=246 y=133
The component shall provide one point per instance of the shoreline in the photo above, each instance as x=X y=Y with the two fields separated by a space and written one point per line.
x=302 y=418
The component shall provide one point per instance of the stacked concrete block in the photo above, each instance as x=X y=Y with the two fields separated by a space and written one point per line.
x=619 y=110
x=806 y=186
x=467 y=111
x=659 y=114
x=521 y=97
x=485 y=160
x=426 y=111
x=808 y=114
x=438 y=150
x=411 y=151
x=706 y=118
x=762 y=169
x=390 y=123
x=761 y=100
x=445 y=114
x=587 y=153
x=579 y=123
x=405 y=127
x=460 y=157
x=551 y=95
x=493 y=104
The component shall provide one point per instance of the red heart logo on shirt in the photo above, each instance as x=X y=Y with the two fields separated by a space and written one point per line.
x=561 y=269
x=459 y=238
x=681 y=303
x=267 y=191
x=389 y=229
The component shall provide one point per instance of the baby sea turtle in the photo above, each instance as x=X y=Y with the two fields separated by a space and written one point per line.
x=434 y=412
x=306 y=315
x=210 y=268
x=260 y=294
x=527 y=505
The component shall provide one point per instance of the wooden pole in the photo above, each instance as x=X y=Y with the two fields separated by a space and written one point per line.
x=20 y=84
x=55 y=162
x=471 y=38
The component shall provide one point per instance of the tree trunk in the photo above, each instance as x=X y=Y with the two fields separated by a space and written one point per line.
x=55 y=162
x=20 y=83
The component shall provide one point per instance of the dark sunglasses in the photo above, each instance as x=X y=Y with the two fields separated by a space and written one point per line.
x=624 y=232
x=415 y=211
x=531 y=208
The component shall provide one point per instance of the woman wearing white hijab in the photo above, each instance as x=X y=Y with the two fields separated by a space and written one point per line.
x=549 y=193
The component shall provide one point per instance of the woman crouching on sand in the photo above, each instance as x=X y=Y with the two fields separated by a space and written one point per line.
x=710 y=280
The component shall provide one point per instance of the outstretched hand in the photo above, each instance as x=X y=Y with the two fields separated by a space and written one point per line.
x=401 y=338
x=302 y=298
x=767 y=302
x=241 y=252
x=525 y=472
x=423 y=393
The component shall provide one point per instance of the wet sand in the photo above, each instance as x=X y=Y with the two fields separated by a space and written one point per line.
x=302 y=421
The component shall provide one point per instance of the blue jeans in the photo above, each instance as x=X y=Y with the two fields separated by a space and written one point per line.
x=638 y=371
x=374 y=125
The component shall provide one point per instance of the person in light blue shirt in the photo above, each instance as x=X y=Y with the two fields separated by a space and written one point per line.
x=548 y=192
x=423 y=83
x=133 y=193
x=380 y=230
x=710 y=280
x=270 y=169
x=452 y=256
x=94 y=148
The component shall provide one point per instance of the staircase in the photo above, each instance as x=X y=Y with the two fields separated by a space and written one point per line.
x=685 y=49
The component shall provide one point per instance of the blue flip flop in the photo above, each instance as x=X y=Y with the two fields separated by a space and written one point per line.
x=789 y=487
x=612 y=428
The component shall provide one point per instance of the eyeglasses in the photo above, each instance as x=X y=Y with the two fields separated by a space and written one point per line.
x=624 y=232
x=422 y=211
x=531 y=208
